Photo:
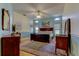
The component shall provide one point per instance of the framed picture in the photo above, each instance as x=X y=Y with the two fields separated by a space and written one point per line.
x=5 y=20
x=46 y=23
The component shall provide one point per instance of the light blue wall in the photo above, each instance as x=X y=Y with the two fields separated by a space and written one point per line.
x=41 y=22
x=9 y=7
x=25 y=34
x=75 y=45
x=52 y=22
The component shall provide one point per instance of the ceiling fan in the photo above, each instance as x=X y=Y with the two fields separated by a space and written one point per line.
x=36 y=13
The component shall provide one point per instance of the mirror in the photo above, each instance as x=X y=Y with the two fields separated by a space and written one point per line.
x=5 y=20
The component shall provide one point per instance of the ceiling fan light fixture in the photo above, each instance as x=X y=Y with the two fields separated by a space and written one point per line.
x=38 y=16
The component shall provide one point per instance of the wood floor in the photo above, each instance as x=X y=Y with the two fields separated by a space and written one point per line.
x=22 y=53
x=50 y=47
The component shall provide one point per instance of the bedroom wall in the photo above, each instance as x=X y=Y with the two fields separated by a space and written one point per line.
x=22 y=24
x=53 y=23
x=9 y=7
x=72 y=11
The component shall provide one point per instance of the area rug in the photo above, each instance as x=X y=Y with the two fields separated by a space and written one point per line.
x=38 y=48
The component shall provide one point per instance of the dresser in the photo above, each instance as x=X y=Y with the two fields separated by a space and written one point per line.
x=10 y=45
x=62 y=43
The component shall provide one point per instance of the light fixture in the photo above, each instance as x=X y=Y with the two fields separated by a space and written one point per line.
x=37 y=28
x=57 y=18
x=36 y=21
x=38 y=14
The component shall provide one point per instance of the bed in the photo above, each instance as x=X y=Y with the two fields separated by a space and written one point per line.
x=44 y=35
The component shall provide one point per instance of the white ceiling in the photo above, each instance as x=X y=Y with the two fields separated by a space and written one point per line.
x=46 y=9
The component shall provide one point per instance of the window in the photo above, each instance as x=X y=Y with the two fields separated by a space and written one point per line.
x=57 y=25
x=57 y=32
